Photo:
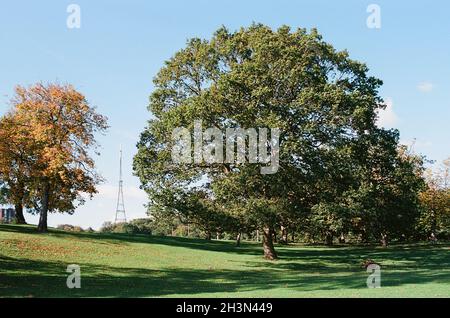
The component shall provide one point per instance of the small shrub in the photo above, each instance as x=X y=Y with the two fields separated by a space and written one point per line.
x=142 y=226
x=139 y=226
x=77 y=229
x=121 y=228
x=107 y=227
x=70 y=228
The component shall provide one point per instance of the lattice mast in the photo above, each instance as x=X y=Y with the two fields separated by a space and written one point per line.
x=120 y=209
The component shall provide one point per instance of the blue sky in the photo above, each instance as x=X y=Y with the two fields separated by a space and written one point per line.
x=121 y=45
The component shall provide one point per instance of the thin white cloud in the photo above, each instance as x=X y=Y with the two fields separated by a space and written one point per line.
x=416 y=144
x=110 y=192
x=425 y=87
x=387 y=117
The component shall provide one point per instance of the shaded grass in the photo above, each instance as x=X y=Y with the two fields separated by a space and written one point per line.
x=34 y=265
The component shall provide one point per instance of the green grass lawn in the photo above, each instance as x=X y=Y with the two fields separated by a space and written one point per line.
x=34 y=265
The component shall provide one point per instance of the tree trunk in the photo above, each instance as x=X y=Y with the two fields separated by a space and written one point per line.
x=329 y=239
x=208 y=235
x=42 y=226
x=269 y=250
x=342 y=239
x=384 y=240
x=18 y=206
x=284 y=235
x=20 y=219
x=238 y=240
x=433 y=225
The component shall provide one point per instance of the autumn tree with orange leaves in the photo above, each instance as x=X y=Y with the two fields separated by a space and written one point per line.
x=55 y=126
x=15 y=164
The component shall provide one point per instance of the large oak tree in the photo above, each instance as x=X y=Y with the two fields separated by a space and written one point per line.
x=322 y=101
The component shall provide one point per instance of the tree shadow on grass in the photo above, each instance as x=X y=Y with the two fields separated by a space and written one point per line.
x=300 y=269
x=416 y=255
x=23 y=277
x=48 y=279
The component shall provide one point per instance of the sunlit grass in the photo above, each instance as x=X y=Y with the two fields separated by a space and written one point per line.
x=34 y=265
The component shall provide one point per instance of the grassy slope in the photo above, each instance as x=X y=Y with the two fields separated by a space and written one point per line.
x=35 y=265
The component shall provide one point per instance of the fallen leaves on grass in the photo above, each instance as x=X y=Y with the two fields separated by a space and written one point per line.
x=35 y=246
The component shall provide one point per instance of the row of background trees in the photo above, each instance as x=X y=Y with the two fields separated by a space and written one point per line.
x=431 y=220
x=340 y=174
x=45 y=143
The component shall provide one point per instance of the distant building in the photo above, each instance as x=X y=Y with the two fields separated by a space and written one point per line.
x=7 y=215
